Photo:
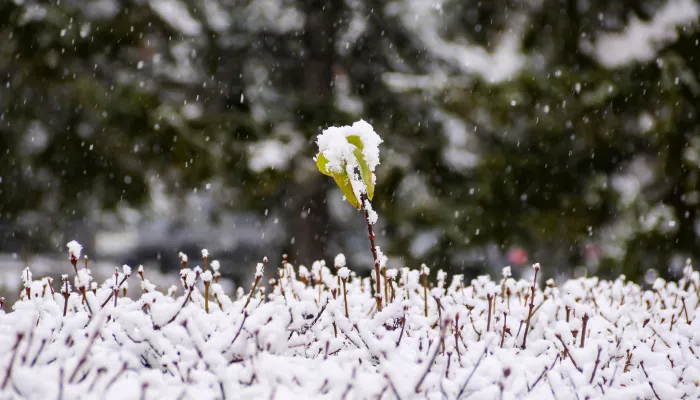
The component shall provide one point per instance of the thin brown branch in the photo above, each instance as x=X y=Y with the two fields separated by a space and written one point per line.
x=478 y=362
x=595 y=367
x=532 y=306
x=443 y=330
x=641 y=364
x=8 y=372
x=370 y=235
x=566 y=350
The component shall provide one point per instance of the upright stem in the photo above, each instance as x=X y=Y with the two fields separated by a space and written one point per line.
x=370 y=235
x=532 y=306
x=335 y=327
x=386 y=287
x=425 y=294
x=345 y=297
x=488 y=321
x=320 y=283
x=583 y=331
x=206 y=296
x=252 y=292
x=503 y=333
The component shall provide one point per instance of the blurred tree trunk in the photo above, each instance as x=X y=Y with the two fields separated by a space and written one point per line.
x=307 y=211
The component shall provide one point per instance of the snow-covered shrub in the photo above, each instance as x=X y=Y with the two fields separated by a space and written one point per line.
x=312 y=337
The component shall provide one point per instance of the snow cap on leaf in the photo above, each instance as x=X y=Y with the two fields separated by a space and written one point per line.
x=344 y=149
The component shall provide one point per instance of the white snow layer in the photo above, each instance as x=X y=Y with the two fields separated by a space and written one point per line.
x=482 y=339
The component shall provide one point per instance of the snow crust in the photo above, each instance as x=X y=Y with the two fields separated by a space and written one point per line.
x=585 y=339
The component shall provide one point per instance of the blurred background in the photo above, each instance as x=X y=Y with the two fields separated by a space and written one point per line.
x=560 y=131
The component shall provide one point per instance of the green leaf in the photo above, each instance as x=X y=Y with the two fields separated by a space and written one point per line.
x=355 y=140
x=322 y=164
x=343 y=182
x=365 y=172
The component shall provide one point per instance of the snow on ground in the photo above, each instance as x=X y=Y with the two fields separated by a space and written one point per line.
x=317 y=335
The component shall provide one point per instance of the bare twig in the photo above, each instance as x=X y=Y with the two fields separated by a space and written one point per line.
x=60 y=383
x=583 y=330
x=503 y=334
x=595 y=367
x=240 y=328
x=566 y=349
x=112 y=294
x=252 y=291
x=432 y=359
x=345 y=296
x=641 y=364
x=83 y=357
x=184 y=303
x=403 y=327
x=488 y=320
x=529 y=389
x=393 y=388
x=478 y=362
x=38 y=352
x=532 y=305
x=8 y=373
x=116 y=377
x=319 y=315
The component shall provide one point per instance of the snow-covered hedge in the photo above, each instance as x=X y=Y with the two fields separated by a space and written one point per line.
x=317 y=334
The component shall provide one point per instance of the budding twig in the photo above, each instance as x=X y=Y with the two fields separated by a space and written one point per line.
x=258 y=276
